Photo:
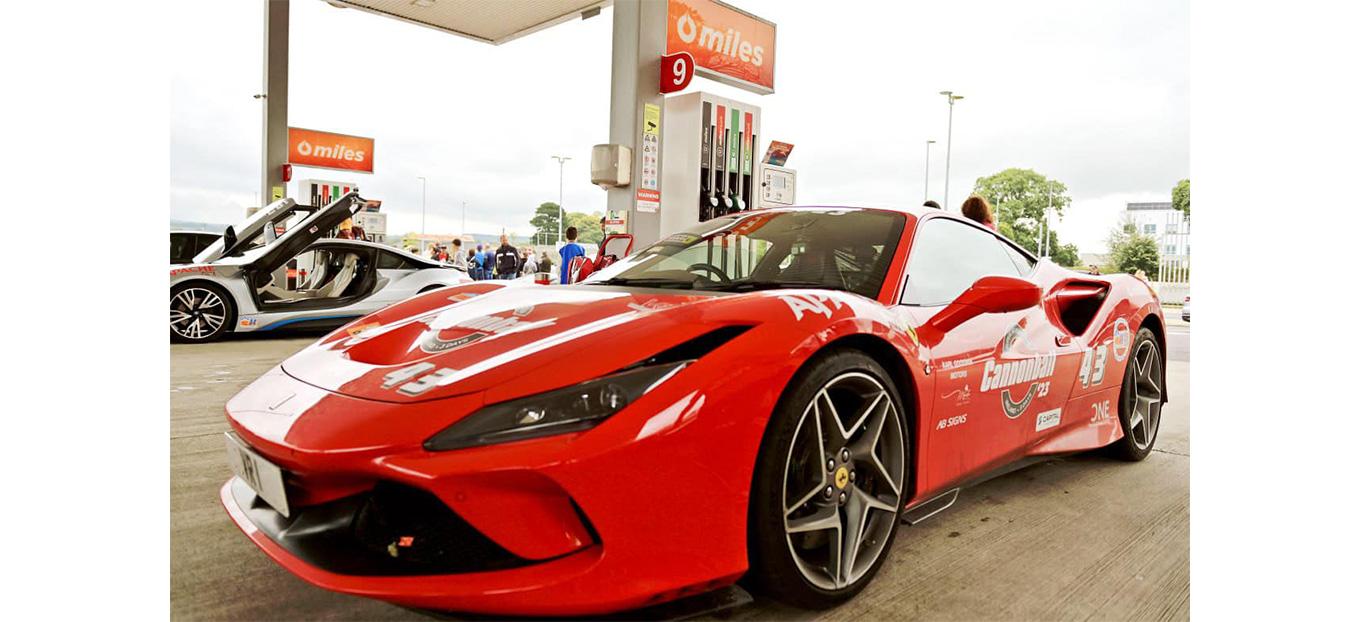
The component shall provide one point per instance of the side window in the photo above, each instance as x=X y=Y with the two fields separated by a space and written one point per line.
x=947 y=257
x=393 y=261
x=1022 y=261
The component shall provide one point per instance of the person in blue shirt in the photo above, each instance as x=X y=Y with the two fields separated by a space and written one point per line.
x=569 y=251
x=480 y=261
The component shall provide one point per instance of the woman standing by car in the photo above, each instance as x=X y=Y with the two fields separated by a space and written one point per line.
x=976 y=208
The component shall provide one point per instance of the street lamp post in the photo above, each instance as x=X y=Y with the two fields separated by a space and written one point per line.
x=464 y=232
x=1043 y=241
x=949 y=143
x=422 y=213
x=927 y=193
x=561 y=211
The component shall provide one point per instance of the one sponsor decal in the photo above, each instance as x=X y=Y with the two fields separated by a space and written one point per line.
x=811 y=303
x=1092 y=370
x=1047 y=419
x=1100 y=412
x=1123 y=339
x=1012 y=374
x=193 y=270
x=460 y=297
x=247 y=322
x=951 y=422
x=955 y=375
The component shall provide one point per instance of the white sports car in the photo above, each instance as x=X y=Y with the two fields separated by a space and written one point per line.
x=275 y=270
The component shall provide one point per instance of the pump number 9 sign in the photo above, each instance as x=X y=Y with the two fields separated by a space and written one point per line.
x=676 y=71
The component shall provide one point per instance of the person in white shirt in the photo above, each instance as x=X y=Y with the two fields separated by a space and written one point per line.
x=456 y=256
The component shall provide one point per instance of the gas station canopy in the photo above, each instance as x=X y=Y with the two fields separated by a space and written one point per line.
x=488 y=21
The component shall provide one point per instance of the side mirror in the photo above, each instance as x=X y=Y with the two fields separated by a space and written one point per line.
x=989 y=294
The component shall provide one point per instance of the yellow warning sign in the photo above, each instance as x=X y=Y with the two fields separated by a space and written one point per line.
x=651 y=119
x=275 y=193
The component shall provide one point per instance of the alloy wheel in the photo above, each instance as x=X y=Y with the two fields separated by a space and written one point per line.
x=843 y=481
x=1145 y=409
x=197 y=313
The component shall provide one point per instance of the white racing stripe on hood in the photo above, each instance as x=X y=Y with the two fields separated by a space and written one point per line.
x=538 y=346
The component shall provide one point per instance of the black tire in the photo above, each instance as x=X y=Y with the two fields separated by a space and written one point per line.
x=1135 y=445
x=774 y=570
x=228 y=313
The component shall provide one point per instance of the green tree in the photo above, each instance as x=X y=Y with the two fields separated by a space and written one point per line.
x=1131 y=251
x=545 y=220
x=1018 y=198
x=587 y=227
x=1180 y=196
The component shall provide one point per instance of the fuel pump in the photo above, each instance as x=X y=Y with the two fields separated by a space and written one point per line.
x=708 y=191
x=709 y=150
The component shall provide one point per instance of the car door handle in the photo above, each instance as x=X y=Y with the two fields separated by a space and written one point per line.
x=1063 y=341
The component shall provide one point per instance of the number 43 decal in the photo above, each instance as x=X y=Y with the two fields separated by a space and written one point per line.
x=1092 y=366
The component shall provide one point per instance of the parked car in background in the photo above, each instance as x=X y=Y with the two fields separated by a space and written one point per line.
x=1185 y=310
x=184 y=245
x=275 y=274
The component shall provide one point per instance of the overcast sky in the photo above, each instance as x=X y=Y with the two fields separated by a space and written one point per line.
x=1094 y=94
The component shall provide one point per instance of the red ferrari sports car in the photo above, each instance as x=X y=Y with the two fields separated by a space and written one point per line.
x=767 y=395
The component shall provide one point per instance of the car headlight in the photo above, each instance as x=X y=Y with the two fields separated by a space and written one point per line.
x=571 y=409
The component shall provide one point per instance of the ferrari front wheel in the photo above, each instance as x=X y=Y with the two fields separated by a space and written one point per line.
x=1140 y=399
x=829 y=483
x=199 y=313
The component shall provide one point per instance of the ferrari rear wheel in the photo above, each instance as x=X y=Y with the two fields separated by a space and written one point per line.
x=1140 y=400
x=829 y=483
x=200 y=313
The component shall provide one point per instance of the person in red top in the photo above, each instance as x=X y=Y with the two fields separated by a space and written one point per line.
x=976 y=208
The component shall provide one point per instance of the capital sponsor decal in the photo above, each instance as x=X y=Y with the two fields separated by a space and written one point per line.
x=330 y=150
x=820 y=304
x=1123 y=339
x=247 y=322
x=724 y=41
x=1010 y=375
x=1047 y=419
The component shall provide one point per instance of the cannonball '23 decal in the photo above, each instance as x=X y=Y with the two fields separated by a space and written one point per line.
x=1034 y=371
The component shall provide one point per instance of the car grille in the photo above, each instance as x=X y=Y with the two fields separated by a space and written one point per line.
x=413 y=526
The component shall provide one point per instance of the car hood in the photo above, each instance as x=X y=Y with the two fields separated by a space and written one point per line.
x=506 y=339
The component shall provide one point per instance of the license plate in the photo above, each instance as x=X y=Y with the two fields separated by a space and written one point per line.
x=263 y=476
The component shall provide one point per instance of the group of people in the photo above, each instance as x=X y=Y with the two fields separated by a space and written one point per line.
x=484 y=263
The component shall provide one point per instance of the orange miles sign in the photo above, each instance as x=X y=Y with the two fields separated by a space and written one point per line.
x=327 y=150
x=728 y=44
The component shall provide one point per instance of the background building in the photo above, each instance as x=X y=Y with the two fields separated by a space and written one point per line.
x=1171 y=229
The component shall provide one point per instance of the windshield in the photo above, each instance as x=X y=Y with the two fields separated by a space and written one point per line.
x=844 y=249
